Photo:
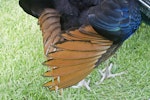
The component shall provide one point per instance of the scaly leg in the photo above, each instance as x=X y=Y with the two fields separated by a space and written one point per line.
x=83 y=83
x=106 y=73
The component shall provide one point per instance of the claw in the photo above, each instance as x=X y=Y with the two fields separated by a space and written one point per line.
x=106 y=73
x=83 y=83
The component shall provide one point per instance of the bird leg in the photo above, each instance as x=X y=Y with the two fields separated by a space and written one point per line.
x=83 y=83
x=106 y=73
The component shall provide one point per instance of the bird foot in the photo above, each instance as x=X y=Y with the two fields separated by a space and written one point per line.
x=106 y=73
x=83 y=83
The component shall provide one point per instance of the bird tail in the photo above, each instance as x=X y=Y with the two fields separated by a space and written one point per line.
x=49 y=22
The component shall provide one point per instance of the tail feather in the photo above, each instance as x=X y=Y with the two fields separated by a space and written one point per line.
x=48 y=13
x=50 y=25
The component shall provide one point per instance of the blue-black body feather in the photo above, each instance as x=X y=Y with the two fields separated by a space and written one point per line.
x=116 y=19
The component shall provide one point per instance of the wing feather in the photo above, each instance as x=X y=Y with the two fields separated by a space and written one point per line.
x=68 y=62
x=75 y=57
x=82 y=46
x=71 y=55
x=70 y=69
x=66 y=54
x=69 y=79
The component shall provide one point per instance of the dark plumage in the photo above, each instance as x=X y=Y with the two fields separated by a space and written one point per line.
x=79 y=34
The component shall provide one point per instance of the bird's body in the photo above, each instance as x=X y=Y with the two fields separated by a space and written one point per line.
x=73 y=12
x=79 y=34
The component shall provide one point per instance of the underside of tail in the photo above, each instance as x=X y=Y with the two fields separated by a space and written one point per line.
x=71 y=55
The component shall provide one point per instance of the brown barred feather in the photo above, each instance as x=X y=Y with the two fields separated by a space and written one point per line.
x=49 y=22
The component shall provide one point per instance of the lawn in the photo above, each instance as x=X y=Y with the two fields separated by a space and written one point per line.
x=21 y=55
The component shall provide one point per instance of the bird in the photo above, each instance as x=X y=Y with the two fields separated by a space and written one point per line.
x=78 y=35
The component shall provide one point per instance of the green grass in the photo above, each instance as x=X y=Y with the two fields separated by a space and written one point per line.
x=21 y=55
